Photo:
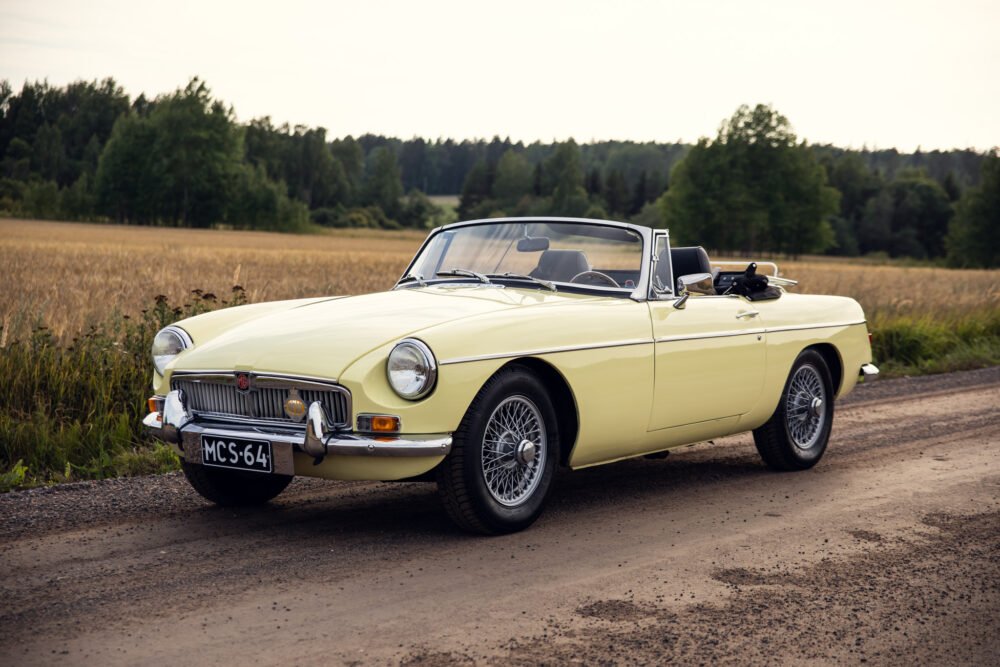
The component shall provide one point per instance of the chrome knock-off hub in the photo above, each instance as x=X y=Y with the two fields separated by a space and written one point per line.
x=525 y=452
x=816 y=406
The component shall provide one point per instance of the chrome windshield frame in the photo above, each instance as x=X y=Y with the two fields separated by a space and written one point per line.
x=639 y=293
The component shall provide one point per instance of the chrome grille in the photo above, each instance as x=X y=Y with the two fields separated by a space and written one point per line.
x=216 y=396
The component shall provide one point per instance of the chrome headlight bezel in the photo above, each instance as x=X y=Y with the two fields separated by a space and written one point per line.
x=167 y=344
x=411 y=356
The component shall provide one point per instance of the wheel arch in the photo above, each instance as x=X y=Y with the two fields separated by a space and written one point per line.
x=833 y=361
x=563 y=401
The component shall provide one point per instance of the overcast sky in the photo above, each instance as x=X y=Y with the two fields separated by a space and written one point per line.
x=853 y=73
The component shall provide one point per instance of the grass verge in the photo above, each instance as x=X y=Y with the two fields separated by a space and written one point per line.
x=73 y=411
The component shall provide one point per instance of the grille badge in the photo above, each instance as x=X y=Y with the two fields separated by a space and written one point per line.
x=243 y=382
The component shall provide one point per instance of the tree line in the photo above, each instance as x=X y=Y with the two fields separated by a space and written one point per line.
x=88 y=151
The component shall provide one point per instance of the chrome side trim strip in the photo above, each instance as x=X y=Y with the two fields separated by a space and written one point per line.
x=802 y=327
x=717 y=334
x=550 y=350
x=750 y=332
x=663 y=339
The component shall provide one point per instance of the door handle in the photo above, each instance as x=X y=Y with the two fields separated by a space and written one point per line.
x=747 y=313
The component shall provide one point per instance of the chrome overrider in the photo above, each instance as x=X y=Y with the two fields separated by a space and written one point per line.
x=176 y=425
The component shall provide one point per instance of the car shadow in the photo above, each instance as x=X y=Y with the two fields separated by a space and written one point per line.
x=324 y=509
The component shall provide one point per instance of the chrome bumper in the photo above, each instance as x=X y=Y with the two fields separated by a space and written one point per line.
x=176 y=426
x=869 y=371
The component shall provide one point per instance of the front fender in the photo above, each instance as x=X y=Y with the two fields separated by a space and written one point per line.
x=439 y=412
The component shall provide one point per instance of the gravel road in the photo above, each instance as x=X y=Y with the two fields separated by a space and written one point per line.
x=887 y=552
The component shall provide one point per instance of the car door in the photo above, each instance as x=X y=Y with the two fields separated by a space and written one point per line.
x=709 y=357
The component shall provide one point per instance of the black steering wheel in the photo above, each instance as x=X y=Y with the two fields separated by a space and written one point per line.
x=589 y=278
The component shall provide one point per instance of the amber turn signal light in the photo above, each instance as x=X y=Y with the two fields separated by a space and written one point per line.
x=378 y=423
x=155 y=403
x=384 y=424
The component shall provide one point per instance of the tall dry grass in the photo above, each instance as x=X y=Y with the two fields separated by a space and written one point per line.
x=69 y=276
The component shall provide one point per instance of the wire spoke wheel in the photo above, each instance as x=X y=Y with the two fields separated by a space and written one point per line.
x=514 y=451
x=805 y=411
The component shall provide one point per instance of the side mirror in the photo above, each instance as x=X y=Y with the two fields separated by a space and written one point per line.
x=533 y=244
x=696 y=283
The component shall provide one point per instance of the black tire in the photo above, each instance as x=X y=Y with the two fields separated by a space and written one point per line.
x=782 y=442
x=233 y=488
x=462 y=477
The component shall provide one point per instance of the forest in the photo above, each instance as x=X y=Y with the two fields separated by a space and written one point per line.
x=88 y=151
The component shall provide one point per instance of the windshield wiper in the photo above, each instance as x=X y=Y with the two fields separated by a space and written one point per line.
x=520 y=276
x=464 y=272
x=413 y=276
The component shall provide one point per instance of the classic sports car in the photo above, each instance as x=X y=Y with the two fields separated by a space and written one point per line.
x=508 y=347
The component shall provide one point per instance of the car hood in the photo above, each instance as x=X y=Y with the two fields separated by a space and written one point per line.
x=322 y=338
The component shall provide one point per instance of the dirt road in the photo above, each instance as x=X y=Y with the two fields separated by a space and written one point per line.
x=887 y=552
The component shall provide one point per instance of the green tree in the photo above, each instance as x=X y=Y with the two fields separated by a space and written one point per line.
x=181 y=164
x=565 y=174
x=974 y=235
x=616 y=193
x=351 y=158
x=383 y=186
x=477 y=190
x=514 y=179
x=127 y=185
x=260 y=203
x=909 y=217
x=77 y=202
x=849 y=174
x=41 y=199
x=48 y=157
x=640 y=195
x=198 y=152
x=753 y=188
x=419 y=211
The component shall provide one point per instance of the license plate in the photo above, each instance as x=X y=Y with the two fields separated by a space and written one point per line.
x=237 y=453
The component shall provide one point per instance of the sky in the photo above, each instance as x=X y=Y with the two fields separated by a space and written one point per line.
x=881 y=74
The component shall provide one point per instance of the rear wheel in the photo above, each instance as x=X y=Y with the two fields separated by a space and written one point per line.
x=797 y=434
x=503 y=456
x=233 y=488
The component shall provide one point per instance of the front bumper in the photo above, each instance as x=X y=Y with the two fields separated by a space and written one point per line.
x=176 y=426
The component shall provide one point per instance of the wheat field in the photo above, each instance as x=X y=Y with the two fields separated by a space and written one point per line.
x=69 y=276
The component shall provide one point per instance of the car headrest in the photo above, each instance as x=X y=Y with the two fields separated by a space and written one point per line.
x=689 y=260
x=560 y=265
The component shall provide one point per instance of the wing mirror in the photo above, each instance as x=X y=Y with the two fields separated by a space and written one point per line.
x=696 y=283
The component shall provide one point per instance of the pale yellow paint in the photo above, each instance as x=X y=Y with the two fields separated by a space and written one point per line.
x=632 y=396
x=702 y=379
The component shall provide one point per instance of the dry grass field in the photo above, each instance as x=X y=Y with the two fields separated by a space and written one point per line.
x=68 y=276
x=78 y=307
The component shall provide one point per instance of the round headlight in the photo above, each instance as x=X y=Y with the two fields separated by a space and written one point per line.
x=167 y=344
x=411 y=369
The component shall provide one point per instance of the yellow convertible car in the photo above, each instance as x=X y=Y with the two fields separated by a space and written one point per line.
x=508 y=347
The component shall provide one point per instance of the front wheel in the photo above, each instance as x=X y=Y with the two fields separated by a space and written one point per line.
x=503 y=456
x=796 y=435
x=234 y=488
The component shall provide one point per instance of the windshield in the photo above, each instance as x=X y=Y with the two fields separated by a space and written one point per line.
x=540 y=253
